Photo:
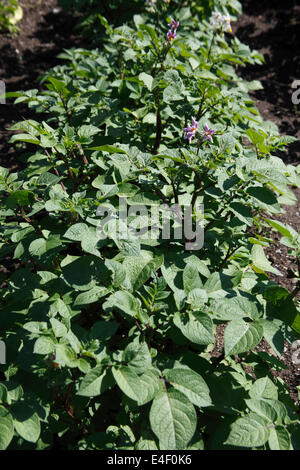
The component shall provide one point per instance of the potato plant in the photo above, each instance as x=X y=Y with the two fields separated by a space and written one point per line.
x=110 y=334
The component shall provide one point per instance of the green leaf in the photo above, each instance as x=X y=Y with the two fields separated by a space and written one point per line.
x=146 y=444
x=234 y=308
x=279 y=439
x=196 y=326
x=284 y=229
x=262 y=408
x=65 y=356
x=26 y=422
x=151 y=386
x=102 y=330
x=91 y=296
x=191 y=278
x=24 y=138
x=82 y=272
x=255 y=137
x=124 y=302
x=274 y=293
x=59 y=329
x=3 y=393
x=76 y=232
x=108 y=148
x=264 y=388
x=263 y=195
x=38 y=247
x=47 y=179
x=260 y=261
x=20 y=198
x=95 y=382
x=249 y=431
x=197 y=298
x=241 y=336
x=139 y=268
x=242 y=212
x=128 y=381
x=87 y=131
x=62 y=308
x=118 y=272
x=6 y=428
x=58 y=85
x=147 y=80
x=190 y=384
x=138 y=357
x=173 y=419
x=44 y=345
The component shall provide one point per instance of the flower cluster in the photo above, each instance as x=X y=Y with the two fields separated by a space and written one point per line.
x=172 y=31
x=193 y=129
x=221 y=22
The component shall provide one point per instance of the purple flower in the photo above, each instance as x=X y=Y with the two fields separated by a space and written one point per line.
x=207 y=134
x=174 y=24
x=191 y=130
x=171 y=35
x=172 y=31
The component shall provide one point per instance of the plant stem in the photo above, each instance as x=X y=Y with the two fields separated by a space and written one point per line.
x=55 y=169
x=84 y=159
x=33 y=224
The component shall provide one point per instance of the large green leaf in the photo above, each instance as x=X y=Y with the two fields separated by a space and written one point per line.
x=191 y=278
x=140 y=388
x=173 y=419
x=279 y=439
x=95 y=382
x=26 y=422
x=264 y=388
x=129 y=382
x=250 y=431
x=260 y=260
x=6 y=428
x=197 y=327
x=190 y=384
x=241 y=336
x=124 y=302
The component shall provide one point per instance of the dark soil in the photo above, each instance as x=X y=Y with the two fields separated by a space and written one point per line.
x=270 y=27
x=44 y=32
